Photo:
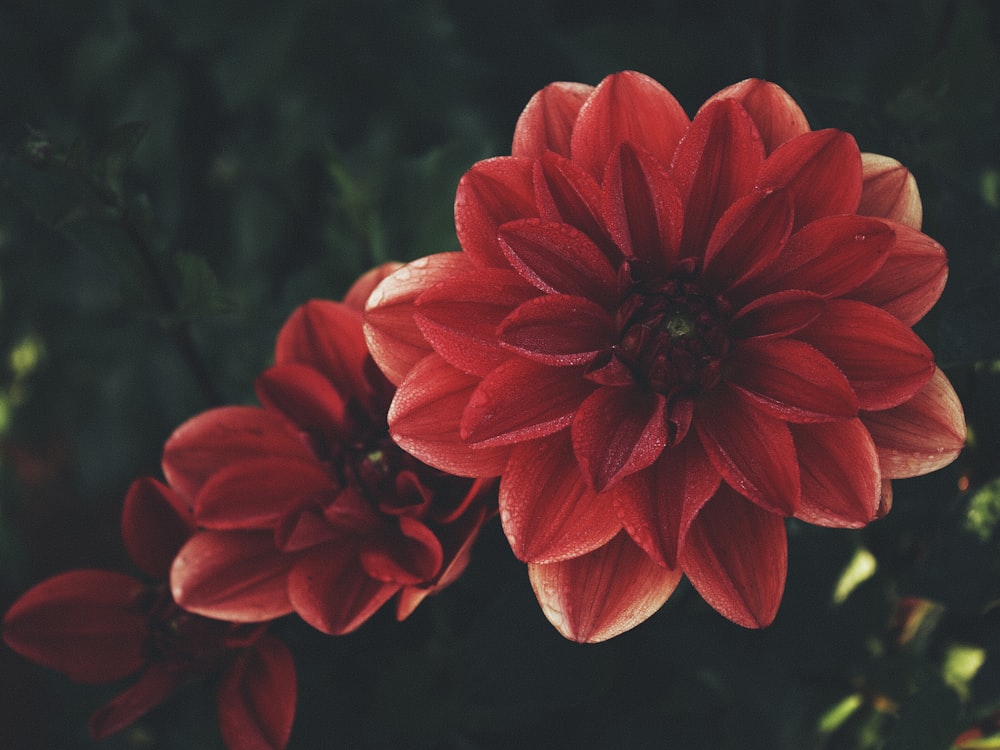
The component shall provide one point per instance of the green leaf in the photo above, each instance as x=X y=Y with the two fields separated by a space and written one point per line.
x=201 y=294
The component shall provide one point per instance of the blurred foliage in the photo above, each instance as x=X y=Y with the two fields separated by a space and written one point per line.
x=176 y=177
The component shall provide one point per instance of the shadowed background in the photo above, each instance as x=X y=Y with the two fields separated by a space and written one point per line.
x=229 y=161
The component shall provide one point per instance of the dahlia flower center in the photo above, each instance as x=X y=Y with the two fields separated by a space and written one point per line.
x=673 y=335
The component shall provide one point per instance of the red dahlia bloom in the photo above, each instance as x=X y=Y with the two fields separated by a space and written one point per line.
x=306 y=504
x=666 y=336
x=99 y=626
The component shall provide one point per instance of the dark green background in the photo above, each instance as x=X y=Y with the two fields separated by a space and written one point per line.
x=288 y=147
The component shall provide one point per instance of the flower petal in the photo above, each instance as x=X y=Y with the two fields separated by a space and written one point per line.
x=642 y=207
x=777 y=315
x=751 y=449
x=547 y=511
x=83 y=623
x=357 y=295
x=657 y=505
x=922 y=434
x=911 y=279
x=155 y=524
x=327 y=336
x=408 y=555
x=747 y=237
x=621 y=109
x=522 y=400
x=232 y=575
x=255 y=494
x=889 y=191
x=777 y=117
x=567 y=194
x=603 y=593
x=841 y=481
x=822 y=169
x=884 y=360
x=425 y=415
x=218 y=437
x=616 y=432
x=547 y=121
x=332 y=592
x=256 y=699
x=459 y=316
x=716 y=164
x=831 y=256
x=152 y=688
x=736 y=556
x=304 y=395
x=490 y=194
x=394 y=339
x=557 y=330
x=558 y=259
x=792 y=381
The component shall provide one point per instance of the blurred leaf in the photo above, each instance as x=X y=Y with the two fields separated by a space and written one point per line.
x=201 y=295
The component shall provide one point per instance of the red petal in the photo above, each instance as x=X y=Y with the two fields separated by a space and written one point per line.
x=602 y=594
x=152 y=688
x=394 y=339
x=559 y=259
x=567 y=194
x=884 y=360
x=716 y=164
x=522 y=400
x=841 y=482
x=911 y=279
x=822 y=169
x=232 y=575
x=736 y=556
x=409 y=555
x=831 y=256
x=627 y=106
x=547 y=511
x=492 y=193
x=329 y=337
x=558 y=330
x=155 y=524
x=642 y=207
x=257 y=697
x=792 y=381
x=751 y=449
x=777 y=315
x=332 y=592
x=547 y=121
x=616 y=432
x=460 y=315
x=218 y=437
x=425 y=415
x=889 y=191
x=84 y=623
x=255 y=494
x=657 y=505
x=357 y=296
x=747 y=237
x=304 y=395
x=776 y=115
x=921 y=435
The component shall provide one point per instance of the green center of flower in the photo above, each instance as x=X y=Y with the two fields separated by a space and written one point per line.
x=673 y=335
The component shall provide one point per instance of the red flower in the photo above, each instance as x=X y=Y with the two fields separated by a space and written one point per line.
x=667 y=335
x=99 y=626
x=306 y=504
